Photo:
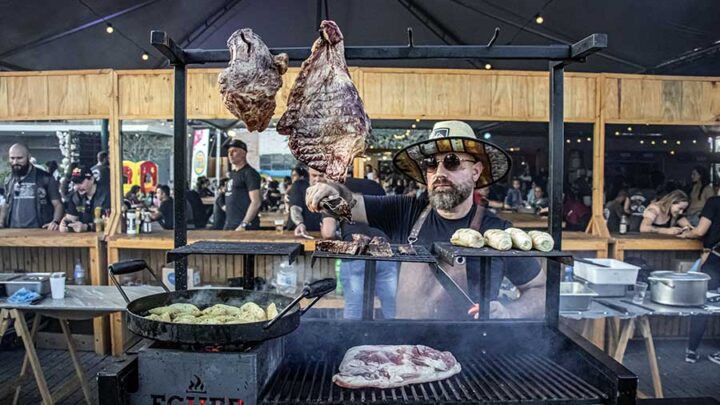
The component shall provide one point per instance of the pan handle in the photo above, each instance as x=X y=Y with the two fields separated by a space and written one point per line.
x=316 y=289
x=128 y=267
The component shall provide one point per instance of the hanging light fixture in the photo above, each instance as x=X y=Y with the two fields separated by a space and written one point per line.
x=488 y=66
x=539 y=19
x=145 y=56
x=629 y=129
x=617 y=133
x=109 y=29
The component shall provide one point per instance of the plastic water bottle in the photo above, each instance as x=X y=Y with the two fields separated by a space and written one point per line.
x=286 y=279
x=79 y=273
x=568 y=274
x=339 y=286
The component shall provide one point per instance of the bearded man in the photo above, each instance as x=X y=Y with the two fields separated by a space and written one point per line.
x=33 y=195
x=452 y=163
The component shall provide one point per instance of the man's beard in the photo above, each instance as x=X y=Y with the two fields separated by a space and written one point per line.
x=19 y=170
x=449 y=199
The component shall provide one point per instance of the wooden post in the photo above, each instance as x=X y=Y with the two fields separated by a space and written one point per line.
x=597 y=225
x=98 y=276
x=644 y=325
x=359 y=168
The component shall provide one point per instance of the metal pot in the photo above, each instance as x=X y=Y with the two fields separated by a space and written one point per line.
x=680 y=289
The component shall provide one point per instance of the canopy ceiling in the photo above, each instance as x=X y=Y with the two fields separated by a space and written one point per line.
x=643 y=34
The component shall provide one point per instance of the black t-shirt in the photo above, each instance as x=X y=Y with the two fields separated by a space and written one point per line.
x=296 y=196
x=396 y=215
x=237 y=196
x=167 y=218
x=711 y=211
x=84 y=208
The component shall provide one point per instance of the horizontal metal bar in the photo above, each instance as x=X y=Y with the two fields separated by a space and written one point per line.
x=588 y=45
x=163 y=43
x=550 y=52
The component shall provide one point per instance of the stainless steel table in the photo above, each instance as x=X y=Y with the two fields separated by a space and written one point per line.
x=80 y=302
x=622 y=324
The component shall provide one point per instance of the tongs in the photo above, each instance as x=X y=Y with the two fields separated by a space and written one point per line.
x=338 y=208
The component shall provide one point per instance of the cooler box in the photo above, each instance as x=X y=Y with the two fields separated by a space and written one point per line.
x=617 y=273
x=168 y=278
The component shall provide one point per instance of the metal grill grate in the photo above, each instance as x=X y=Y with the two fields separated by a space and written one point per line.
x=486 y=378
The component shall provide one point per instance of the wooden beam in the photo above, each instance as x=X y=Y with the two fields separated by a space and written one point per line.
x=598 y=225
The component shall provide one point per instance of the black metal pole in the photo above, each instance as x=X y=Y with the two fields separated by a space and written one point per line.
x=249 y=272
x=180 y=172
x=104 y=134
x=485 y=278
x=556 y=145
x=368 y=310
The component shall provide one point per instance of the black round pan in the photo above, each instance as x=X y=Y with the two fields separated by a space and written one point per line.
x=287 y=320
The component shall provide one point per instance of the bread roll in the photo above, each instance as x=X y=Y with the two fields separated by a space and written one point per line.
x=520 y=239
x=498 y=239
x=468 y=238
x=542 y=241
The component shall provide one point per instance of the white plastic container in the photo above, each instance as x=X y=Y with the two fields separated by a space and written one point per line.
x=617 y=273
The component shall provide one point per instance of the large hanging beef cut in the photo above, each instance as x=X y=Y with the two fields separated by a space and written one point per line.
x=249 y=84
x=325 y=116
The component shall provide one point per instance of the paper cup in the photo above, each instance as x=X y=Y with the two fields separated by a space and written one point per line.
x=57 y=287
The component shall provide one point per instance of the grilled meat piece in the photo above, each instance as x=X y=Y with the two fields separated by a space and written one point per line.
x=339 y=247
x=325 y=116
x=380 y=366
x=362 y=240
x=379 y=247
x=249 y=84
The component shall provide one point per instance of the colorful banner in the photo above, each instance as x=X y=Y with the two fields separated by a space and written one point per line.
x=201 y=142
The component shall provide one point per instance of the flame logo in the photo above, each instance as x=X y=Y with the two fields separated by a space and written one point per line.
x=196 y=386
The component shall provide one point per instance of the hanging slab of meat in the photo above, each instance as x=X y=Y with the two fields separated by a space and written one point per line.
x=394 y=366
x=325 y=116
x=249 y=84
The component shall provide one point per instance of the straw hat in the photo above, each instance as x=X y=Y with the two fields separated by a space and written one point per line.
x=454 y=136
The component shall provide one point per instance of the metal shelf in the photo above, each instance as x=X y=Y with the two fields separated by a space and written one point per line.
x=292 y=250
x=422 y=256
x=452 y=254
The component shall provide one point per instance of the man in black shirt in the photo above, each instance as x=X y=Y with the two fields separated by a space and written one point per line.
x=101 y=171
x=33 y=197
x=452 y=163
x=242 y=197
x=301 y=219
x=164 y=214
x=708 y=230
x=83 y=201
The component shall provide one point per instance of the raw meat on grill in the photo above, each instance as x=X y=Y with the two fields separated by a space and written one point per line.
x=379 y=247
x=249 y=84
x=362 y=240
x=394 y=366
x=325 y=116
x=339 y=247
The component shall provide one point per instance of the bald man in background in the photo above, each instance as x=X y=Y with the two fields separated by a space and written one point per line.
x=33 y=195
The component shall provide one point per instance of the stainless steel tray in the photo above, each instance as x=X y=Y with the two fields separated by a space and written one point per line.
x=38 y=282
x=575 y=296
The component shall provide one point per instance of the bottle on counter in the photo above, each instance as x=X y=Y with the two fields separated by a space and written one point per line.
x=79 y=273
x=131 y=222
x=339 y=286
x=623 y=225
x=286 y=279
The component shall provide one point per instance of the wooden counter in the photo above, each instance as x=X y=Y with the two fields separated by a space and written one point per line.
x=92 y=242
x=650 y=241
x=524 y=221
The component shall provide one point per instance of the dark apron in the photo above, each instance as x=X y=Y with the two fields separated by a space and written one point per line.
x=419 y=294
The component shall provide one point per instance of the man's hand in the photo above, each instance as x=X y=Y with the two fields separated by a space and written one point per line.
x=315 y=194
x=51 y=226
x=77 y=226
x=240 y=228
x=301 y=231
x=497 y=311
x=63 y=227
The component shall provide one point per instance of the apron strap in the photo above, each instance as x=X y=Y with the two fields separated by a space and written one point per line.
x=476 y=220
x=415 y=231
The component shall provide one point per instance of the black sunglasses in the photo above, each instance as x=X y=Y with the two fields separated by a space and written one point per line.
x=451 y=162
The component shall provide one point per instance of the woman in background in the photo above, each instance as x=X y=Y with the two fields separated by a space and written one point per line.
x=700 y=191
x=666 y=215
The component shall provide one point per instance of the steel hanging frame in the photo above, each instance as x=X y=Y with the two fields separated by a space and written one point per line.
x=557 y=56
